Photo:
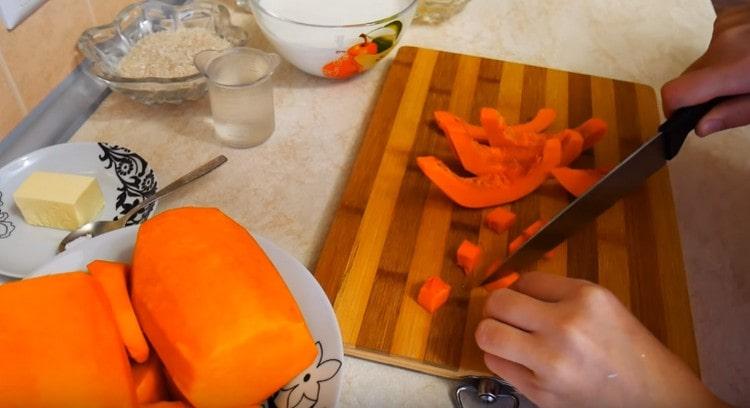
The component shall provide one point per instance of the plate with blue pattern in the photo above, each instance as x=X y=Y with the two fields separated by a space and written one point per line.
x=124 y=177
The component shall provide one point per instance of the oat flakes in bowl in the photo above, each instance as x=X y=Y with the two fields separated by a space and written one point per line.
x=146 y=53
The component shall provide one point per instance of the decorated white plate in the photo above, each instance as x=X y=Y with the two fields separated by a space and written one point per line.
x=320 y=384
x=125 y=179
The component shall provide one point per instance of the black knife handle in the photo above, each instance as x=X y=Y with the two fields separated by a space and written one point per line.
x=682 y=122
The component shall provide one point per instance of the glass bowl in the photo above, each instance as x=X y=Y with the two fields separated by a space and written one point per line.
x=337 y=40
x=106 y=45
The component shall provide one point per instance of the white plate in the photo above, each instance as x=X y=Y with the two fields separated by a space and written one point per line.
x=124 y=178
x=320 y=384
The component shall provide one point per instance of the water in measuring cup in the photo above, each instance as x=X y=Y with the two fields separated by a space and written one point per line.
x=243 y=114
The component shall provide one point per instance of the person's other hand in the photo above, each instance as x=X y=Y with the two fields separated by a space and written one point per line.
x=723 y=70
x=569 y=343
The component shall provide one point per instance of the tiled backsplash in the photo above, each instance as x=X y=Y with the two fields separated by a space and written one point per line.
x=38 y=54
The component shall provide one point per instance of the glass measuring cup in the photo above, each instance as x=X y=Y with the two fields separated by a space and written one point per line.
x=240 y=90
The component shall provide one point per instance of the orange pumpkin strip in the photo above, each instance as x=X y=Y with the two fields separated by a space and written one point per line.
x=476 y=158
x=572 y=146
x=111 y=276
x=577 y=181
x=516 y=243
x=476 y=132
x=502 y=283
x=493 y=125
x=543 y=119
x=532 y=229
x=592 y=130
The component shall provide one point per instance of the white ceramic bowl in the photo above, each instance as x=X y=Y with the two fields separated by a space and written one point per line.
x=333 y=38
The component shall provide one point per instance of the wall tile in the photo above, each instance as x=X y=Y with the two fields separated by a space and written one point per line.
x=11 y=111
x=41 y=51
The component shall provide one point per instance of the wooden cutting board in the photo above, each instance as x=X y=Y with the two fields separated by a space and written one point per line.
x=393 y=228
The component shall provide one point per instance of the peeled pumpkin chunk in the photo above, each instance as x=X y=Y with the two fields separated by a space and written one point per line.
x=216 y=310
x=492 y=189
x=60 y=345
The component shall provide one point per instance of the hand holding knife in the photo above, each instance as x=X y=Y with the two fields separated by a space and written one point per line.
x=630 y=174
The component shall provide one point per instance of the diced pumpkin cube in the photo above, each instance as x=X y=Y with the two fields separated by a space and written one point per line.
x=433 y=293
x=467 y=256
x=500 y=219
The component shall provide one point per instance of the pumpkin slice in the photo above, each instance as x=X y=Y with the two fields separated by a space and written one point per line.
x=572 y=146
x=512 y=160
x=526 y=234
x=577 y=181
x=60 y=346
x=533 y=228
x=216 y=310
x=520 y=142
x=493 y=125
x=592 y=130
x=475 y=132
x=543 y=119
x=474 y=157
x=524 y=134
x=491 y=189
x=112 y=277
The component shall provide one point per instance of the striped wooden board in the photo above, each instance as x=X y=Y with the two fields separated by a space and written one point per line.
x=393 y=228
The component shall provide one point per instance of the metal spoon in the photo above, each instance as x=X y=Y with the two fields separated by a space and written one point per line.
x=100 y=227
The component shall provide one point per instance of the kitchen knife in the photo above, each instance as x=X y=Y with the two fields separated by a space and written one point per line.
x=622 y=180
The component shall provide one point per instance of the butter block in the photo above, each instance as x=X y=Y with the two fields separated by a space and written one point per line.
x=57 y=200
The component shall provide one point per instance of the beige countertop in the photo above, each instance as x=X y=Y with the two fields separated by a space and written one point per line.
x=288 y=188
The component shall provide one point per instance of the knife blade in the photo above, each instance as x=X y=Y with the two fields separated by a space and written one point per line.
x=626 y=177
